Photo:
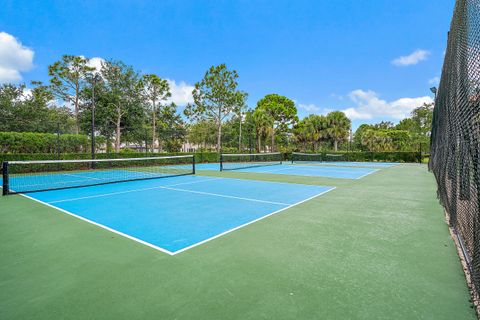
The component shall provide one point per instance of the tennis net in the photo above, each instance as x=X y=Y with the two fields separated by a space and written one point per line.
x=242 y=161
x=306 y=157
x=317 y=157
x=32 y=176
x=335 y=157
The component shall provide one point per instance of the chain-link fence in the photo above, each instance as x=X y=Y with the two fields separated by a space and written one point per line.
x=455 y=139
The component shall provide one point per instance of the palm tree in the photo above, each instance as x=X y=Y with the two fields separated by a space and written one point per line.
x=376 y=141
x=263 y=125
x=338 y=127
x=316 y=129
x=300 y=134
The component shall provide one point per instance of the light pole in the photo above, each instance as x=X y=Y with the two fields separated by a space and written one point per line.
x=350 y=137
x=240 y=133
x=434 y=91
x=95 y=79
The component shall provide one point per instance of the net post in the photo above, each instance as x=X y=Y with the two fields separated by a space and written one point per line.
x=221 y=162
x=5 y=177
x=193 y=163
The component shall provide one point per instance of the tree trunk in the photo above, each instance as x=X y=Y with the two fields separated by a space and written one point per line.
x=77 y=126
x=259 y=142
x=219 y=137
x=273 y=140
x=118 y=133
x=154 y=129
x=335 y=145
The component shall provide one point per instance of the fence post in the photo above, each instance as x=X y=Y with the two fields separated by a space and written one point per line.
x=58 y=141
x=5 y=185
x=193 y=159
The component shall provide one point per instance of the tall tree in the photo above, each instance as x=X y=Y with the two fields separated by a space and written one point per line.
x=384 y=125
x=216 y=98
x=281 y=110
x=67 y=78
x=263 y=124
x=358 y=136
x=171 y=128
x=300 y=135
x=316 y=129
x=32 y=110
x=338 y=127
x=249 y=129
x=202 y=133
x=155 y=90
x=377 y=140
x=423 y=116
x=123 y=97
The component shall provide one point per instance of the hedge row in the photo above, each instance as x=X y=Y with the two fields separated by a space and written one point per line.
x=404 y=156
x=22 y=142
x=199 y=156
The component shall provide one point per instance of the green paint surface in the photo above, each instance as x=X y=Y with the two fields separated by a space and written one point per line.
x=375 y=248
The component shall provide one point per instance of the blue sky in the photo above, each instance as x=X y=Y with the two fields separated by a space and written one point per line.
x=374 y=59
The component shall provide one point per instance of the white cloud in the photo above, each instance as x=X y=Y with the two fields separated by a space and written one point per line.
x=413 y=58
x=96 y=63
x=309 y=107
x=434 y=81
x=14 y=58
x=181 y=92
x=369 y=106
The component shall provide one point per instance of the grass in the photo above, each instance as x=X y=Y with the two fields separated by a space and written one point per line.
x=375 y=248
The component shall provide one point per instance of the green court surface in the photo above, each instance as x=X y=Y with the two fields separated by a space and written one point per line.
x=374 y=248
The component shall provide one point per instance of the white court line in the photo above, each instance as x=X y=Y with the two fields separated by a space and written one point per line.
x=227 y=196
x=266 y=171
x=193 y=182
x=335 y=167
x=374 y=170
x=128 y=191
x=314 y=169
x=253 y=221
x=174 y=189
x=317 y=168
x=359 y=165
x=102 y=226
x=186 y=248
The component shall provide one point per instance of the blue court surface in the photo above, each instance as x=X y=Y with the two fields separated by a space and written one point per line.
x=178 y=213
x=350 y=164
x=302 y=170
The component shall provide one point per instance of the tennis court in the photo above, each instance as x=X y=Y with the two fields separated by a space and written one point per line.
x=350 y=246
x=177 y=213
x=287 y=168
x=350 y=164
x=313 y=171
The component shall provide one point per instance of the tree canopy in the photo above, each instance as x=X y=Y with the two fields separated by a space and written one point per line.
x=281 y=112
x=216 y=97
x=134 y=109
